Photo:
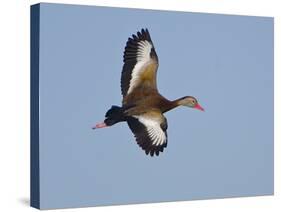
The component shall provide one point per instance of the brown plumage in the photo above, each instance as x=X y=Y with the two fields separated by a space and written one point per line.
x=142 y=105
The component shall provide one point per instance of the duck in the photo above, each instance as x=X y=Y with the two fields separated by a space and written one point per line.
x=142 y=105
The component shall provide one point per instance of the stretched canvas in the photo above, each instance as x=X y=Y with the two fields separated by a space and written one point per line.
x=78 y=56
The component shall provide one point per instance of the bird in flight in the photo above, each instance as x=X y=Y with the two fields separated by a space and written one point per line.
x=142 y=105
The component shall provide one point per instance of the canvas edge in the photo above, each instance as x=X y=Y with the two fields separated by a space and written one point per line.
x=34 y=106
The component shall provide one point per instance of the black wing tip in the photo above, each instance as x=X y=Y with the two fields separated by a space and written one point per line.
x=152 y=150
x=132 y=43
x=149 y=148
x=142 y=34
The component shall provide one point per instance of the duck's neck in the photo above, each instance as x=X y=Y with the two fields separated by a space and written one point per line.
x=169 y=105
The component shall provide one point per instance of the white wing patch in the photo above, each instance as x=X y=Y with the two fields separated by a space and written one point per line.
x=143 y=59
x=154 y=130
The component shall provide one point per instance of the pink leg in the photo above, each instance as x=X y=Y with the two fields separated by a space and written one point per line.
x=99 y=125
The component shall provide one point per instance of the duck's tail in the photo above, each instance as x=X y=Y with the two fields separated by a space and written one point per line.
x=114 y=115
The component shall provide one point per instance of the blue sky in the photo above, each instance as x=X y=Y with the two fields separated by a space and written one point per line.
x=225 y=61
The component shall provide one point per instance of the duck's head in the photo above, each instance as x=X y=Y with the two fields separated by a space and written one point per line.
x=190 y=101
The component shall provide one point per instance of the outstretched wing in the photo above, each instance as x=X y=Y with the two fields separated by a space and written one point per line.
x=150 y=130
x=140 y=63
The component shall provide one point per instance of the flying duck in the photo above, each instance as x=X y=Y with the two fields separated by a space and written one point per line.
x=142 y=105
